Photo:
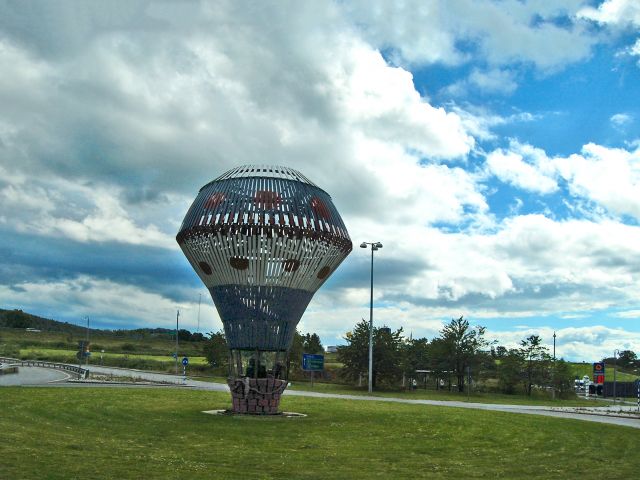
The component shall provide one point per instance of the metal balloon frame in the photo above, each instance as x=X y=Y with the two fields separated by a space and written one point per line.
x=263 y=239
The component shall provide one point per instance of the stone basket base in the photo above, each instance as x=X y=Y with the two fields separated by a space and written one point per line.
x=256 y=396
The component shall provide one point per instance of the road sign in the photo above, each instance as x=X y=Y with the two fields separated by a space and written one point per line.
x=598 y=368
x=598 y=373
x=312 y=362
x=185 y=361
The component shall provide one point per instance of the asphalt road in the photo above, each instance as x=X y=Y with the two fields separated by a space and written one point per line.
x=33 y=376
x=607 y=414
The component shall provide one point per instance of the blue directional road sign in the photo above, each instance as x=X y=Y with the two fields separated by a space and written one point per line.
x=185 y=361
x=313 y=363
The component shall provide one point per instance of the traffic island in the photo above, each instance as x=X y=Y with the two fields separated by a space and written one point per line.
x=277 y=415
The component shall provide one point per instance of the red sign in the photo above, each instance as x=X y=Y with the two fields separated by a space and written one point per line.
x=598 y=379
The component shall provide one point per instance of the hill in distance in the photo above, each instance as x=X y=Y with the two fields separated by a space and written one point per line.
x=22 y=320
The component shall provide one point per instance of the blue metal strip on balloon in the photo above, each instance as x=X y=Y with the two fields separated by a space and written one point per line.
x=259 y=318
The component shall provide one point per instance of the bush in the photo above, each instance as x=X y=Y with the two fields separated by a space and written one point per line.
x=9 y=351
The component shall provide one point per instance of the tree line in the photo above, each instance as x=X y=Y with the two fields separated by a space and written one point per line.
x=460 y=353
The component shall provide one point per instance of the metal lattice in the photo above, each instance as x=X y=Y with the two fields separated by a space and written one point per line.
x=263 y=239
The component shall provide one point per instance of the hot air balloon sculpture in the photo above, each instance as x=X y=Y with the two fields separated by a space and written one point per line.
x=263 y=239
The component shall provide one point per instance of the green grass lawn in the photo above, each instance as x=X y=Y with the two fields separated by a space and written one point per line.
x=161 y=434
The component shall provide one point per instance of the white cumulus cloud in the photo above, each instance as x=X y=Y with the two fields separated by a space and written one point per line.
x=524 y=167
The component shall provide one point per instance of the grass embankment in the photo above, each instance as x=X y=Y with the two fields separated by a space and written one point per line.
x=582 y=369
x=112 y=342
x=538 y=398
x=52 y=354
x=131 y=433
x=120 y=350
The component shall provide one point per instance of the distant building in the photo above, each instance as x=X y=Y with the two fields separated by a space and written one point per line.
x=331 y=349
x=33 y=330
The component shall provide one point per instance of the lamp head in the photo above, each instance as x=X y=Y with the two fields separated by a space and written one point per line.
x=378 y=245
x=363 y=245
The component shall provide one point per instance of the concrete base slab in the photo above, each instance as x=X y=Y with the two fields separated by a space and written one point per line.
x=276 y=415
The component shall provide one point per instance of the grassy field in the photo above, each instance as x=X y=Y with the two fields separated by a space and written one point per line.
x=110 y=342
x=51 y=353
x=160 y=434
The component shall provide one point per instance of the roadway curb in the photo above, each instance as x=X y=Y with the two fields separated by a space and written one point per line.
x=146 y=384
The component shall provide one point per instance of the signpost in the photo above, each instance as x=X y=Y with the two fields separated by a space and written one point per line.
x=83 y=351
x=312 y=363
x=598 y=373
x=185 y=362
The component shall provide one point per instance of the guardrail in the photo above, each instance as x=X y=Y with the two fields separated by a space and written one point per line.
x=81 y=372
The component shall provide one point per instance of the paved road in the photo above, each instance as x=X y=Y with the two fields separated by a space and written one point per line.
x=606 y=414
x=33 y=376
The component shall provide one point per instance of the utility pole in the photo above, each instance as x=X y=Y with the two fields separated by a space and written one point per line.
x=86 y=361
x=615 y=361
x=199 y=300
x=177 y=317
x=553 y=388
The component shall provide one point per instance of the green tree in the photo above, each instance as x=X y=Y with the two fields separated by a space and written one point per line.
x=462 y=345
x=296 y=351
x=415 y=356
x=562 y=379
x=536 y=360
x=387 y=357
x=17 y=319
x=387 y=354
x=439 y=362
x=627 y=359
x=355 y=355
x=501 y=351
x=312 y=343
x=510 y=371
x=184 y=335
x=216 y=350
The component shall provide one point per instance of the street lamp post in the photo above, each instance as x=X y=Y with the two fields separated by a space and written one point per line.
x=177 y=330
x=86 y=357
x=554 y=347
x=374 y=246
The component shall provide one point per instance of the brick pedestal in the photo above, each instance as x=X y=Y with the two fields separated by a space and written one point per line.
x=257 y=396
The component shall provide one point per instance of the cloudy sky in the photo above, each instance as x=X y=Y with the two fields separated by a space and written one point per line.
x=491 y=146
